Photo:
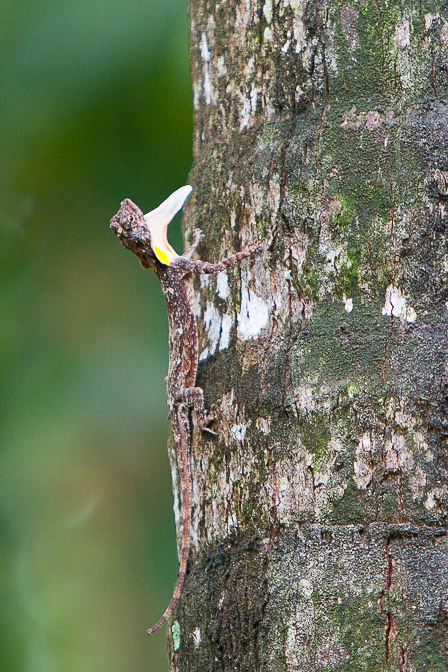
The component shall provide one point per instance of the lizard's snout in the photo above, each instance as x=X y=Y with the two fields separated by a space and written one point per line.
x=114 y=223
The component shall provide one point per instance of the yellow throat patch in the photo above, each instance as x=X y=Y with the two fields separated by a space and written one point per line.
x=161 y=255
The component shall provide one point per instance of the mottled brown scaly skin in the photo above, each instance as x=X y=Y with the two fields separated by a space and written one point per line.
x=130 y=226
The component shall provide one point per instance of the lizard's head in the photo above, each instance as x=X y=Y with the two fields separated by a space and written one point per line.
x=130 y=227
x=146 y=235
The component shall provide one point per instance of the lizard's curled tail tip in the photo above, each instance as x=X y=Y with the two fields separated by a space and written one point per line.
x=155 y=627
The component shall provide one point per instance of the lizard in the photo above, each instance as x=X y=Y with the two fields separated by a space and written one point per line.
x=146 y=237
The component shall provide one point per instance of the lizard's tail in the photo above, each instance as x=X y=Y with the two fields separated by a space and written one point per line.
x=185 y=546
x=179 y=583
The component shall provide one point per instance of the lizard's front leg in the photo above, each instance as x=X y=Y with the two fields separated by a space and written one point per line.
x=194 y=398
x=198 y=266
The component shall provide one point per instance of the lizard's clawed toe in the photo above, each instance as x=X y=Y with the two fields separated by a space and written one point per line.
x=209 y=431
x=208 y=419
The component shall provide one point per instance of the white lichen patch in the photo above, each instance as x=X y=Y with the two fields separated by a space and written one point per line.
x=402 y=35
x=222 y=285
x=433 y=498
x=197 y=307
x=396 y=305
x=267 y=35
x=245 y=112
x=238 y=432
x=348 y=304
x=212 y=320
x=226 y=328
x=299 y=29
x=218 y=330
x=210 y=94
x=253 y=99
x=430 y=502
x=204 y=280
x=254 y=312
x=203 y=355
x=197 y=637
x=306 y=588
x=248 y=107
x=203 y=47
x=299 y=93
x=267 y=10
x=362 y=466
x=221 y=67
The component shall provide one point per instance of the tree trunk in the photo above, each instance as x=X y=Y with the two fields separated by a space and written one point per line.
x=319 y=512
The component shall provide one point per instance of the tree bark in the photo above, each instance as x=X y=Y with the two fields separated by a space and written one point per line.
x=319 y=512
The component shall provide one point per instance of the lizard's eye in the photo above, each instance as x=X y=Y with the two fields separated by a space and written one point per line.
x=126 y=222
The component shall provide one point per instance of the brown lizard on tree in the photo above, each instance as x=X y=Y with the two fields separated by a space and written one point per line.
x=146 y=237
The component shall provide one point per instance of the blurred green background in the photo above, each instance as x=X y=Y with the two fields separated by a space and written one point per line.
x=95 y=106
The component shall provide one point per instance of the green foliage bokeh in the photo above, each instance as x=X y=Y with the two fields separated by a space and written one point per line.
x=95 y=106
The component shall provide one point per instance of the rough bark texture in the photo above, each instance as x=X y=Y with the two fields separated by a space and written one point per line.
x=319 y=512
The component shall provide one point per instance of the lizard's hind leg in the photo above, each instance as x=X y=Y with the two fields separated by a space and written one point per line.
x=194 y=397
